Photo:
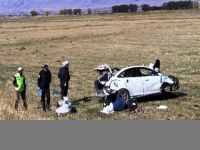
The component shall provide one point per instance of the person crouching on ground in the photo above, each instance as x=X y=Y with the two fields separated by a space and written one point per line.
x=20 y=88
x=104 y=72
x=44 y=81
x=64 y=77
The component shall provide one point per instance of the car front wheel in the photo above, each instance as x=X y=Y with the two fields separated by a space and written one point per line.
x=123 y=93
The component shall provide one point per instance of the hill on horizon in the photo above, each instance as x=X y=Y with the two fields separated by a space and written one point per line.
x=9 y=6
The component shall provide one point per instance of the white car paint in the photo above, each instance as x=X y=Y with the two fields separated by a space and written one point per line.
x=139 y=85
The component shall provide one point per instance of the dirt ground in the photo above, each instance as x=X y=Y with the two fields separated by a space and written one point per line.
x=119 y=40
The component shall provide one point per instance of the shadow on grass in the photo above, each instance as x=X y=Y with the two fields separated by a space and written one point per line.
x=166 y=96
x=84 y=99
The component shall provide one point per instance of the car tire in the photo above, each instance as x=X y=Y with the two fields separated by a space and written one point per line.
x=165 y=89
x=123 y=93
x=176 y=86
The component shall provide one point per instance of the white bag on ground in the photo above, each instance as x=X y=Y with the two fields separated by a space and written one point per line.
x=65 y=106
x=162 y=107
x=108 y=109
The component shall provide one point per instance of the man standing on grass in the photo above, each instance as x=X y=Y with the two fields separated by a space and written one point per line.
x=64 y=77
x=20 y=88
x=44 y=80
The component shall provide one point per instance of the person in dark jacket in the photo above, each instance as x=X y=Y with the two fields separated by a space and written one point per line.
x=157 y=64
x=44 y=80
x=64 y=77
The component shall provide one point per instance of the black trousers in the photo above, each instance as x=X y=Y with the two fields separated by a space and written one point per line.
x=21 y=94
x=64 y=90
x=98 y=85
x=46 y=99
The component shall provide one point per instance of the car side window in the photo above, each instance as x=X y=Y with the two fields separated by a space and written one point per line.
x=133 y=72
x=121 y=75
x=148 y=72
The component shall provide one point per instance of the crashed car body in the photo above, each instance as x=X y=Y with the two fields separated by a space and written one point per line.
x=137 y=81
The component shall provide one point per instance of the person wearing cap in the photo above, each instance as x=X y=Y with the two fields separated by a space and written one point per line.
x=64 y=77
x=20 y=88
x=44 y=81
x=105 y=73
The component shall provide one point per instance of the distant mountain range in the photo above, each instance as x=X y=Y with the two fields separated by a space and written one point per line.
x=10 y=6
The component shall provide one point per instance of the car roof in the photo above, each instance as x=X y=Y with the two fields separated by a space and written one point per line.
x=138 y=66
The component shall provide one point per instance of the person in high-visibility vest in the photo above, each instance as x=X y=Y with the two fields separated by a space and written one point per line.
x=20 y=88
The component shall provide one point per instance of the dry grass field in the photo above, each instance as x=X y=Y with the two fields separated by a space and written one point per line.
x=87 y=41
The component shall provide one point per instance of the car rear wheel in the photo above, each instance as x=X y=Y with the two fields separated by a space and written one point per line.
x=123 y=93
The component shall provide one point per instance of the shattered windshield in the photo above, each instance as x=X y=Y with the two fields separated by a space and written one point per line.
x=115 y=71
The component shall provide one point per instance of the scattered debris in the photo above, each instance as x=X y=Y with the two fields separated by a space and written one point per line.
x=133 y=107
x=108 y=109
x=64 y=107
x=162 y=107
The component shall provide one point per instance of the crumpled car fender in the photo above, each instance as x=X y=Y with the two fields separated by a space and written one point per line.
x=116 y=84
x=166 y=79
x=172 y=81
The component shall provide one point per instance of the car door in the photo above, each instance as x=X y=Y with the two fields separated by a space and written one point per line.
x=151 y=80
x=133 y=81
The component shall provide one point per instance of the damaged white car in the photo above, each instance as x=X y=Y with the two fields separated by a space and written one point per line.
x=135 y=81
